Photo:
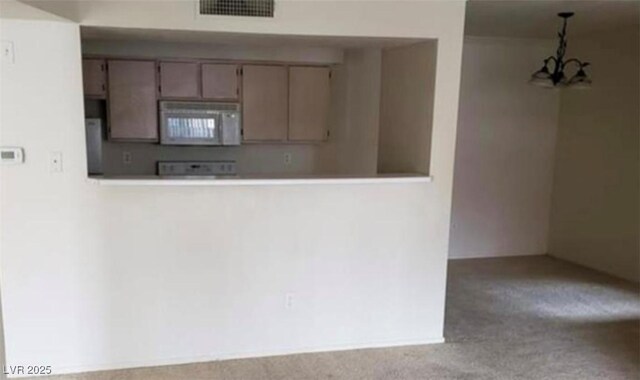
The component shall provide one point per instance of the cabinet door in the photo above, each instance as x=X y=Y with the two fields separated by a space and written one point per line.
x=94 y=77
x=264 y=103
x=309 y=92
x=219 y=81
x=132 y=100
x=179 y=80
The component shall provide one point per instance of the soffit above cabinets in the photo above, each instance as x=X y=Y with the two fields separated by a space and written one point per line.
x=90 y=33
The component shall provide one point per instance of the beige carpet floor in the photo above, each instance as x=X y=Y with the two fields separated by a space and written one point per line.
x=508 y=318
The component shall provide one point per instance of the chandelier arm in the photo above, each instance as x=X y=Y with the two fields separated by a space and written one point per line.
x=575 y=60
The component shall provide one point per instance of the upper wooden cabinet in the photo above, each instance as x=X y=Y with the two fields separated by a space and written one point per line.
x=309 y=96
x=220 y=81
x=133 y=110
x=264 y=102
x=280 y=102
x=179 y=79
x=94 y=77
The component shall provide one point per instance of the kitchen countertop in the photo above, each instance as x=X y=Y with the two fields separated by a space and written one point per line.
x=244 y=180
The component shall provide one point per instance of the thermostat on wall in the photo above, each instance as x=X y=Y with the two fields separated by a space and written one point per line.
x=11 y=155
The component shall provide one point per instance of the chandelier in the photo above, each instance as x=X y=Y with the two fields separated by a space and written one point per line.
x=552 y=74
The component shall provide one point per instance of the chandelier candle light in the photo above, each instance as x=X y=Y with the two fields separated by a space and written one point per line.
x=557 y=78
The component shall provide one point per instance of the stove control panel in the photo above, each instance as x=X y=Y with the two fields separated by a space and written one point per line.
x=196 y=168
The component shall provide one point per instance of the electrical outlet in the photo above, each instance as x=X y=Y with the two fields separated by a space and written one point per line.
x=289 y=300
x=55 y=162
x=8 y=55
x=127 y=158
x=287 y=158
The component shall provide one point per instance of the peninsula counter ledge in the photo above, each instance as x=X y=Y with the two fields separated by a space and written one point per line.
x=256 y=180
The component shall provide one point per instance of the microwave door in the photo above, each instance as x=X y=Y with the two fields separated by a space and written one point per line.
x=199 y=123
x=190 y=129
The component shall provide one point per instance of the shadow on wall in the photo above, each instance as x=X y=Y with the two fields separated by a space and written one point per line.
x=406 y=108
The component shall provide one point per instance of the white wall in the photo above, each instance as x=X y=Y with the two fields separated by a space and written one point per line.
x=3 y=360
x=595 y=210
x=105 y=277
x=406 y=108
x=504 y=152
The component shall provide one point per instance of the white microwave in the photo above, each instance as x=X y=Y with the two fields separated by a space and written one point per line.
x=199 y=123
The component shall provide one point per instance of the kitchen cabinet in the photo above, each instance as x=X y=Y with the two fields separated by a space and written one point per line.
x=279 y=102
x=309 y=95
x=220 y=81
x=179 y=79
x=265 y=102
x=94 y=77
x=132 y=102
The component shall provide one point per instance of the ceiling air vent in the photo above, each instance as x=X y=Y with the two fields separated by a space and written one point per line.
x=250 y=8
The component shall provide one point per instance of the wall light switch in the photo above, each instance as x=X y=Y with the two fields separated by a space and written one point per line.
x=289 y=300
x=55 y=162
x=7 y=52
x=287 y=158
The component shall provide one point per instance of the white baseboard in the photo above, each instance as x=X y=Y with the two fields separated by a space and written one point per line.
x=237 y=355
x=494 y=256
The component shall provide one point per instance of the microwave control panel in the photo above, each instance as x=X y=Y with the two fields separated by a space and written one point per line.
x=196 y=168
